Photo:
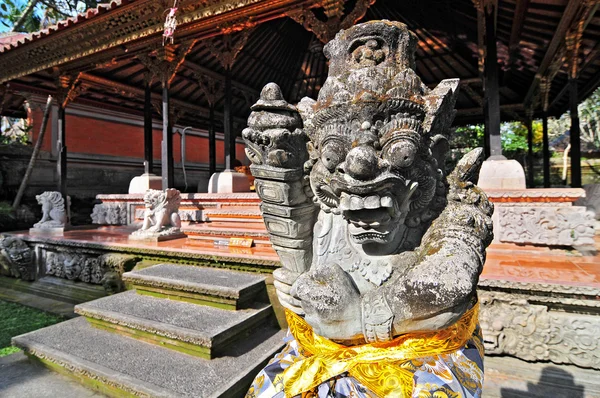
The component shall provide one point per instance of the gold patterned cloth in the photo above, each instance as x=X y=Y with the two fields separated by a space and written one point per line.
x=378 y=366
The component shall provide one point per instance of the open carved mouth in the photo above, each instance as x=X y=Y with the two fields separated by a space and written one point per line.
x=375 y=218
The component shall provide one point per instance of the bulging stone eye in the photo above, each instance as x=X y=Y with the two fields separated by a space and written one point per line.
x=331 y=157
x=400 y=154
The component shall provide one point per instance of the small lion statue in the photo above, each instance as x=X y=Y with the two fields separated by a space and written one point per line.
x=161 y=217
x=54 y=214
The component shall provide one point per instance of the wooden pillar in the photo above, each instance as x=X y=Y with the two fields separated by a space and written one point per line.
x=575 y=135
x=530 y=173
x=491 y=89
x=546 y=149
x=168 y=174
x=62 y=152
x=228 y=125
x=212 y=146
x=148 y=150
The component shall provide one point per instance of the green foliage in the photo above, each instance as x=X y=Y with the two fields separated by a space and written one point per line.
x=43 y=13
x=16 y=319
x=13 y=133
x=10 y=13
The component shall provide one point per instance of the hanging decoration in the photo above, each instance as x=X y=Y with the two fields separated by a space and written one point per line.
x=170 y=24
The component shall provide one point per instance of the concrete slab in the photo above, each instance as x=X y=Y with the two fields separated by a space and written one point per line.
x=124 y=364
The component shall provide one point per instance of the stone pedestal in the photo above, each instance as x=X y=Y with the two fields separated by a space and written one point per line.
x=141 y=184
x=228 y=181
x=545 y=217
x=48 y=231
x=501 y=173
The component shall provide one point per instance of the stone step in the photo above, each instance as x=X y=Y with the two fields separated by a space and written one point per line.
x=234 y=215
x=120 y=366
x=192 y=329
x=58 y=289
x=198 y=285
x=221 y=231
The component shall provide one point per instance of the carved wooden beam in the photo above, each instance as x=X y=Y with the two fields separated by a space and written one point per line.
x=571 y=10
x=334 y=11
x=517 y=27
x=573 y=45
x=211 y=88
x=138 y=92
x=69 y=88
x=545 y=85
x=204 y=71
x=164 y=61
x=132 y=27
x=227 y=47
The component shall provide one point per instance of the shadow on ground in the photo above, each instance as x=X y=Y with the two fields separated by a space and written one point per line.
x=553 y=382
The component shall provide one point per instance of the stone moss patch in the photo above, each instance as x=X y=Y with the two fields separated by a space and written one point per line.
x=16 y=319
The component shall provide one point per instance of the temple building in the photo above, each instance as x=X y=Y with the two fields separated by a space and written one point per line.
x=111 y=77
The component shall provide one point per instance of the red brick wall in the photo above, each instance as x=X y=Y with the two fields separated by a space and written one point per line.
x=36 y=118
x=102 y=137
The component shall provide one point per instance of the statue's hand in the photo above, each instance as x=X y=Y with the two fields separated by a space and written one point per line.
x=331 y=302
x=284 y=279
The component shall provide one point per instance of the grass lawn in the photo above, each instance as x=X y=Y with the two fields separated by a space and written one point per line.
x=16 y=319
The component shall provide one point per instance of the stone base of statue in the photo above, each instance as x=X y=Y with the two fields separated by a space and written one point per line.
x=228 y=181
x=501 y=173
x=161 y=218
x=54 y=214
x=49 y=231
x=146 y=181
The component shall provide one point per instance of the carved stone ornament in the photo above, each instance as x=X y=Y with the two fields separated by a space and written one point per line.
x=562 y=226
x=110 y=214
x=105 y=269
x=161 y=218
x=534 y=333
x=375 y=238
x=16 y=259
x=54 y=214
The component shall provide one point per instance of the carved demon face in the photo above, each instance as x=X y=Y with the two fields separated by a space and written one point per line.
x=17 y=251
x=372 y=151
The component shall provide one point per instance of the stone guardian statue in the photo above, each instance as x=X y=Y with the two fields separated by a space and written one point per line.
x=161 y=217
x=381 y=246
x=54 y=213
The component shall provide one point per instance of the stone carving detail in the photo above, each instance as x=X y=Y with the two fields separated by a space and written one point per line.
x=115 y=264
x=105 y=269
x=110 y=214
x=161 y=218
x=533 y=333
x=54 y=214
x=74 y=266
x=375 y=238
x=564 y=226
x=16 y=259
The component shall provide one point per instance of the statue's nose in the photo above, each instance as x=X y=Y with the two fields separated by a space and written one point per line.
x=361 y=163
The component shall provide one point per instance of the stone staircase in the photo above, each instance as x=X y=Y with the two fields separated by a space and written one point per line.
x=182 y=331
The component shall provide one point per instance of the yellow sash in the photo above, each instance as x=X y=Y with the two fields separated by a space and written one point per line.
x=376 y=365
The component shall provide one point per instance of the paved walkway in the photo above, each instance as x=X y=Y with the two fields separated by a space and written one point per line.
x=21 y=378
x=504 y=378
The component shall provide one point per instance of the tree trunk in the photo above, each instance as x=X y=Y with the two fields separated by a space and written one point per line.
x=26 y=12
